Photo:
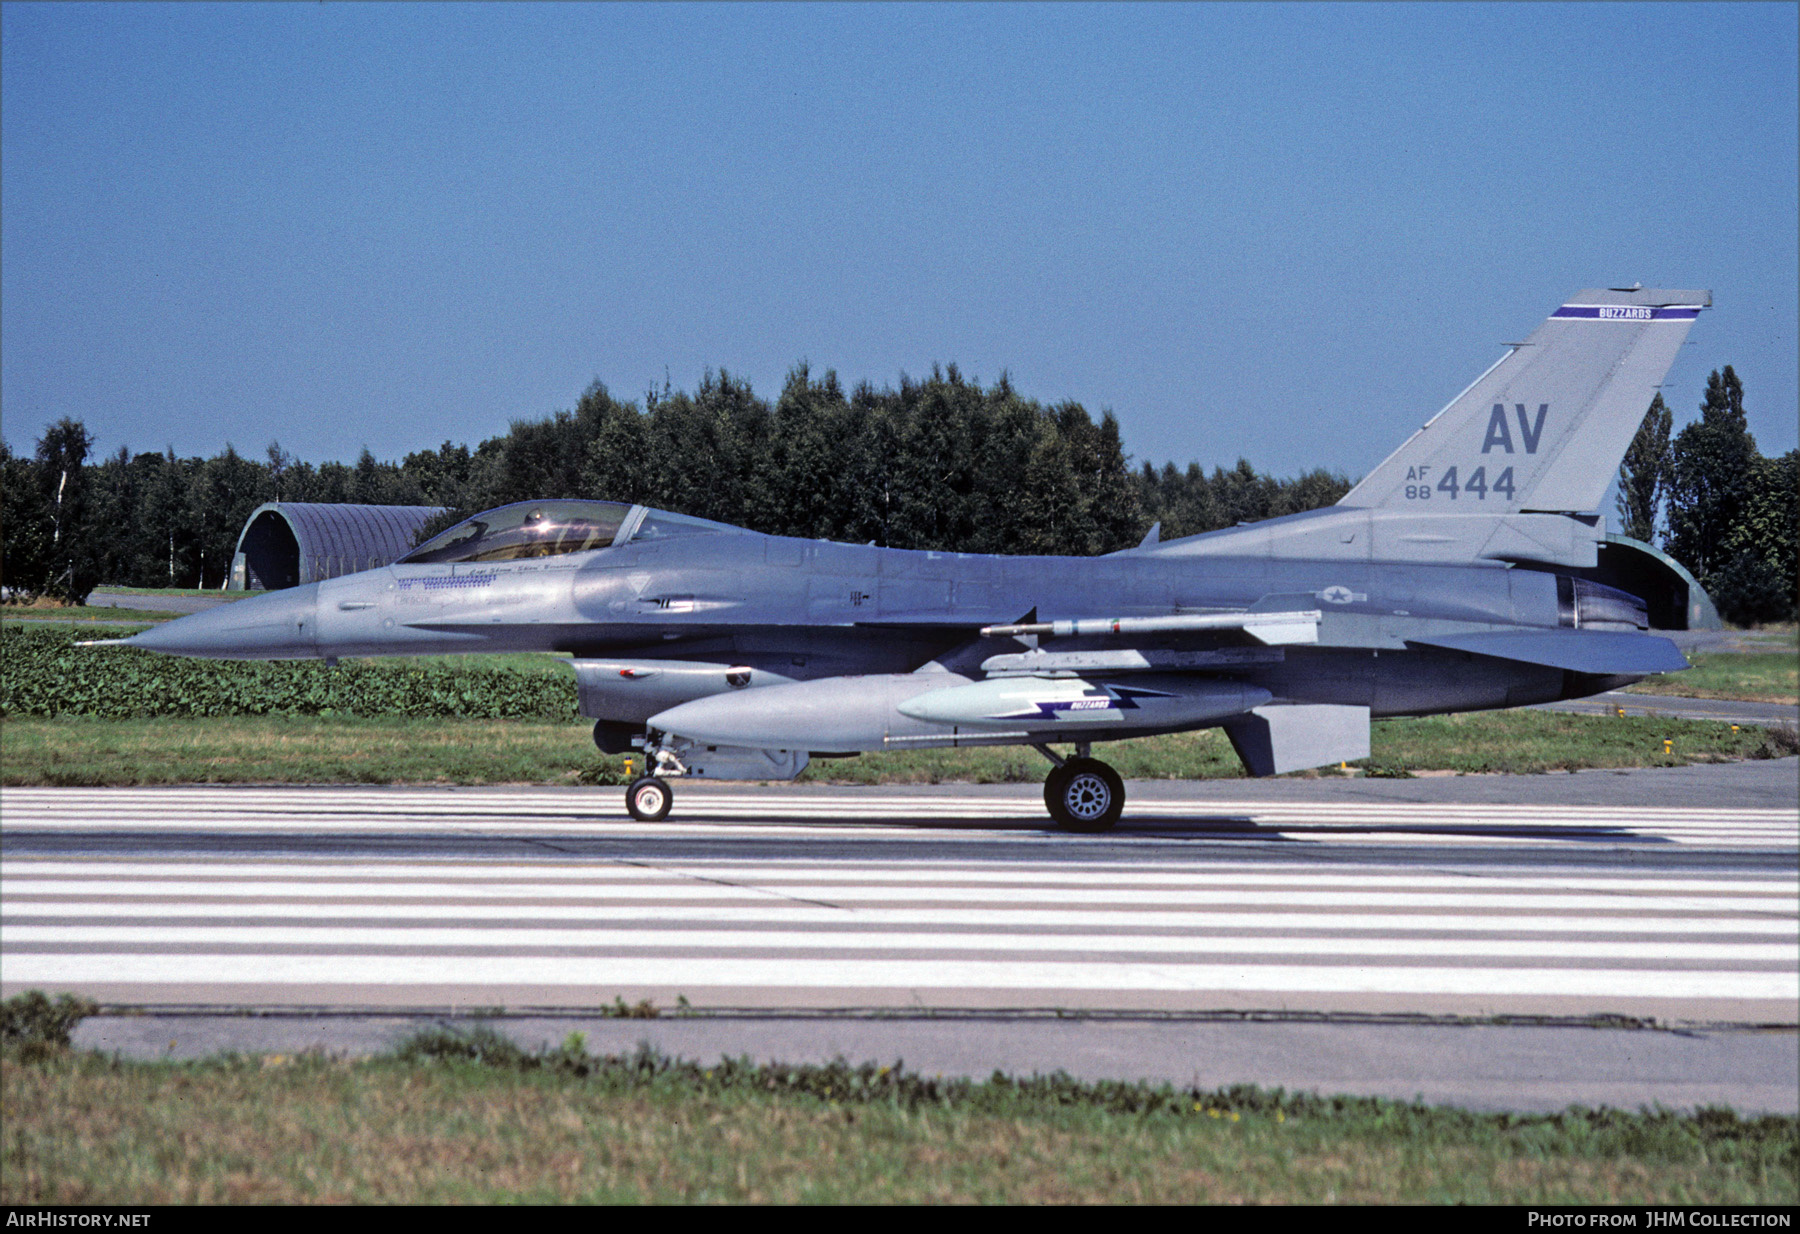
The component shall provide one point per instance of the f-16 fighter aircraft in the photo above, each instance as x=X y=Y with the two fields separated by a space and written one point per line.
x=1470 y=570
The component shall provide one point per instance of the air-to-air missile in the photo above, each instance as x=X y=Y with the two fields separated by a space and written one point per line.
x=1469 y=570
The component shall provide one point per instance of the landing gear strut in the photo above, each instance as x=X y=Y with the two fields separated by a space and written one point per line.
x=1082 y=793
x=649 y=797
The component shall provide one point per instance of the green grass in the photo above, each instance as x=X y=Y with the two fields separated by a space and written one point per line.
x=1775 y=634
x=473 y=1120
x=45 y=609
x=350 y=750
x=85 y=613
x=295 y=750
x=203 y=592
x=553 y=663
x=1761 y=676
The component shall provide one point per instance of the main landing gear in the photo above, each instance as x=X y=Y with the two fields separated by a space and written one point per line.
x=1082 y=793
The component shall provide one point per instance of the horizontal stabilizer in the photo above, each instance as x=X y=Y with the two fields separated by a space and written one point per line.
x=1276 y=739
x=1605 y=652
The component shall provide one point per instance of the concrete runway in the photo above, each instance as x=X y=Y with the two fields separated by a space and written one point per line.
x=1346 y=935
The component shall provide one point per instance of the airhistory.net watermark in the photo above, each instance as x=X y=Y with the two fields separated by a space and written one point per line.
x=58 y=1219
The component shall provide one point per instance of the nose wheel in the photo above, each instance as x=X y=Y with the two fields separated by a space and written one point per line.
x=648 y=799
x=1084 y=794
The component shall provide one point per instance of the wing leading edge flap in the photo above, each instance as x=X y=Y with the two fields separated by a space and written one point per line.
x=1603 y=652
x=1280 y=738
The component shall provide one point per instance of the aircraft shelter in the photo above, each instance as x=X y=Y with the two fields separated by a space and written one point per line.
x=288 y=543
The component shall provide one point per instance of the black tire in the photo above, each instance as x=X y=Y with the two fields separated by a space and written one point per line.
x=1053 y=787
x=614 y=737
x=648 y=799
x=1084 y=794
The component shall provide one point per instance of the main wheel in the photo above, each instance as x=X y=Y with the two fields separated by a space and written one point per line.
x=1084 y=794
x=1053 y=790
x=649 y=799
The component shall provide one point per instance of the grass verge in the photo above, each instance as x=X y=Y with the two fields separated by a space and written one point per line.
x=295 y=750
x=1759 y=676
x=471 y=1118
x=399 y=750
x=206 y=592
x=83 y=614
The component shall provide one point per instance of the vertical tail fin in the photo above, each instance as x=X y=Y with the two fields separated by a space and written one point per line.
x=1546 y=426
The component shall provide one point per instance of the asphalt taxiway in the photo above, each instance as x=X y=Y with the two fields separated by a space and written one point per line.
x=1722 y=710
x=1529 y=1067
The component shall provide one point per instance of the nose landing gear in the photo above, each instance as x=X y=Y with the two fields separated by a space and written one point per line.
x=1082 y=793
x=649 y=797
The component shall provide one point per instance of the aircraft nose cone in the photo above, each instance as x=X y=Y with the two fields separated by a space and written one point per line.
x=278 y=626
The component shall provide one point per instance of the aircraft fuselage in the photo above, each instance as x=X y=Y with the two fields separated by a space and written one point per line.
x=808 y=609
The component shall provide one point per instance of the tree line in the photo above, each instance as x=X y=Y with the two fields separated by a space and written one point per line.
x=1728 y=514
x=941 y=463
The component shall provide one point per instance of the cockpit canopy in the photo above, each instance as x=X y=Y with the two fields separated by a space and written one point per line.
x=552 y=528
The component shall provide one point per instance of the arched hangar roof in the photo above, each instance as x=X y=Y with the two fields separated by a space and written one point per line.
x=1648 y=572
x=287 y=543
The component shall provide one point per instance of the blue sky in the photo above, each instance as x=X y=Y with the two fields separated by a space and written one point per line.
x=1286 y=232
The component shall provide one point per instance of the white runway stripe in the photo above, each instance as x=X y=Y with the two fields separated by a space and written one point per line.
x=791 y=912
x=850 y=894
x=785 y=973
x=1265 y=918
x=924 y=836
x=739 y=940
x=113 y=813
x=515 y=800
x=863 y=821
x=695 y=828
x=100 y=805
x=784 y=873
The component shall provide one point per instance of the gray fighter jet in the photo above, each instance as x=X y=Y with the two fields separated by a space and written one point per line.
x=1470 y=570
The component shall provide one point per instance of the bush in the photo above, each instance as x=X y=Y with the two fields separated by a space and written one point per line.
x=1718 y=1133
x=37 y=1027
x=1784 y=739
x=1750 y=591
x=42 y=673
